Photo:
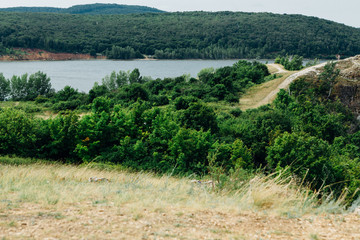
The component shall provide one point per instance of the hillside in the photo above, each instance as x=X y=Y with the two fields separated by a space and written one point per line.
x=186 y=35
x=346 y=86
x=91 y=9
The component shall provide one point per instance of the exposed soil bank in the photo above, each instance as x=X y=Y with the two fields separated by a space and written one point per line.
x=26 y=54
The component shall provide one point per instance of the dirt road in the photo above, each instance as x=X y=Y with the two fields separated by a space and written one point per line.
x=268 y=98
x=280 y=69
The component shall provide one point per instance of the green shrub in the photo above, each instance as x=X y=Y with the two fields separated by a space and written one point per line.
x=184 y=102
x=41 y=99
x=17 y=133
x=236 y=112
x=189 y=150
x=200 y=117
x=231 y=98
x=306 y=156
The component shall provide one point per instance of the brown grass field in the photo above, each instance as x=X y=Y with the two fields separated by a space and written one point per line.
x=58 y=202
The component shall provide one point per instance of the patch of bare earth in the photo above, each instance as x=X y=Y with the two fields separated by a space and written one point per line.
x=89 y=221
x=41 y=55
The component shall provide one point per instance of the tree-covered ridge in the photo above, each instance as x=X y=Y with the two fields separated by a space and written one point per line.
x=97 y=8
x=181 y=35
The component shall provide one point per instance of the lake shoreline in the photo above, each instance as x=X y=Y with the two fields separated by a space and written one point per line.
x=82 y=74
x=28 y=54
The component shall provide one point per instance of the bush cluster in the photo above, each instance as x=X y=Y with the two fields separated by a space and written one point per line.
x=292 y=63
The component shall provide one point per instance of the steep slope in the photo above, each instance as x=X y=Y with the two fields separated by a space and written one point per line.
x=347 y=89
x=91 y=9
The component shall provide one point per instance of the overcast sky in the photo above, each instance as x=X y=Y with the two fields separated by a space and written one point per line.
x=343 y=11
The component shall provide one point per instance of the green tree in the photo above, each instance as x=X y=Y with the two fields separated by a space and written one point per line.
x=291 y=63
x=136 y=91
x=17 y=133
x=306 y=156
x=18 y=87
x=231 y=156
x=241 y=156
x=199 y=116
x=38 y=84
x=328 y=78
x=97 y=91
x=110 y=81
x=62 y=137
x=122 y=78
x=189 y=150
x=135 y=77
x=4 y=88
x=101 y=104
x=96 y=131
x=65 y=94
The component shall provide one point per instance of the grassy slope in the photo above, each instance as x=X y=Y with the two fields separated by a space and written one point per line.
x=41 y=201
x=256 y=94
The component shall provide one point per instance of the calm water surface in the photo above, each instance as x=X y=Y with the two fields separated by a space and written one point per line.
x=83 y=74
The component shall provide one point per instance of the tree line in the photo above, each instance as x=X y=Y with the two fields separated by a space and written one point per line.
x=97 y=8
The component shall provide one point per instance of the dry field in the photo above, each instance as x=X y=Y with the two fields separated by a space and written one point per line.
x=58 y=202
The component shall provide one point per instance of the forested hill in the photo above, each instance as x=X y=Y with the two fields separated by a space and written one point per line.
x=97 y=8
x=180 y=35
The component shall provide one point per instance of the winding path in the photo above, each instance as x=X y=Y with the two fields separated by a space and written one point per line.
x=267 y=99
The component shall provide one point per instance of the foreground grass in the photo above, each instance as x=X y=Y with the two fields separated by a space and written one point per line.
x=61 y=185
x=61 y=200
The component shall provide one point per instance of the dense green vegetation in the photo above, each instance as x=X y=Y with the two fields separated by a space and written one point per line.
x=180 y=35
x=168 y=126
x=97 y=8
x=291 y=63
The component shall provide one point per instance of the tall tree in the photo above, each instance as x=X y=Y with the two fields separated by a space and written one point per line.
x=38 y=84
x=18 y=87
x=4 y=88
x=135 y=76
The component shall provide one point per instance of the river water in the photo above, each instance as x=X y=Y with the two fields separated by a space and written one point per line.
x=82 y=74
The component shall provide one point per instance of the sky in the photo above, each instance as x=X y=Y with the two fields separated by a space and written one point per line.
x=343 y=11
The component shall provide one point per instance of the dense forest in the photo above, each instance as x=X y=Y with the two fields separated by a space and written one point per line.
x=185 y=35
x=92 y=9
x=188 y=126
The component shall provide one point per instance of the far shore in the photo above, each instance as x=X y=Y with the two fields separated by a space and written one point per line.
x=26 y=54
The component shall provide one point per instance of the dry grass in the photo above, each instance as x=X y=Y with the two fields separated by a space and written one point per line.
x=39 y=201
x=55 y=185
x=272 y=69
